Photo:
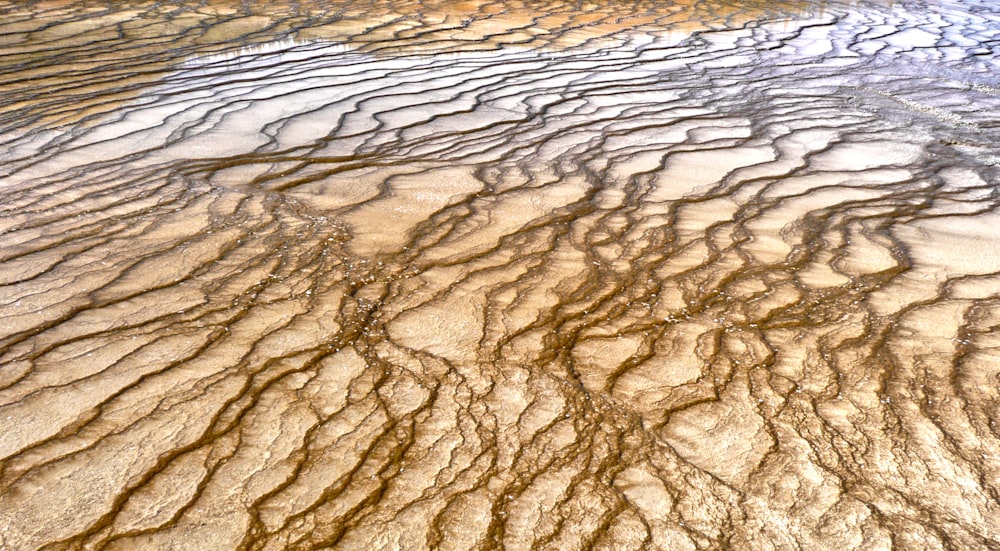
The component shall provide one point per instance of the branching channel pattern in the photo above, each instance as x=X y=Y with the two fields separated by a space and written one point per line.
x=511 y=274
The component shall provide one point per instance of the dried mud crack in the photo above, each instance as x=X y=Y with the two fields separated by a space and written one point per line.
x=499 y=275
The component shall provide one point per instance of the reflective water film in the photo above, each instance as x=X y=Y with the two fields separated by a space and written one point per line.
x=398 y=275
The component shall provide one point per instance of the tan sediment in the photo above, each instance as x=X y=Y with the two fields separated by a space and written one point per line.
x=497 y=275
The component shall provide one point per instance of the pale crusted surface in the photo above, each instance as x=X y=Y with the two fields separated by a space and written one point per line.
x=428 y=275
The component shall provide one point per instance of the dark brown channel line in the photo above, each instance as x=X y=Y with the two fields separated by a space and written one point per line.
x=393 y=275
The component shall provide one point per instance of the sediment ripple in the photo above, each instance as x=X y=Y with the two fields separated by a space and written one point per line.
x=499 y=275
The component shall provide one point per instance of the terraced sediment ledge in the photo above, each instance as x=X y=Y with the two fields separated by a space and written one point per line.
x=499 y=275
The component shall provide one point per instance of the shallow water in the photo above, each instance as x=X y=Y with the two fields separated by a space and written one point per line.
x=482 y=275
